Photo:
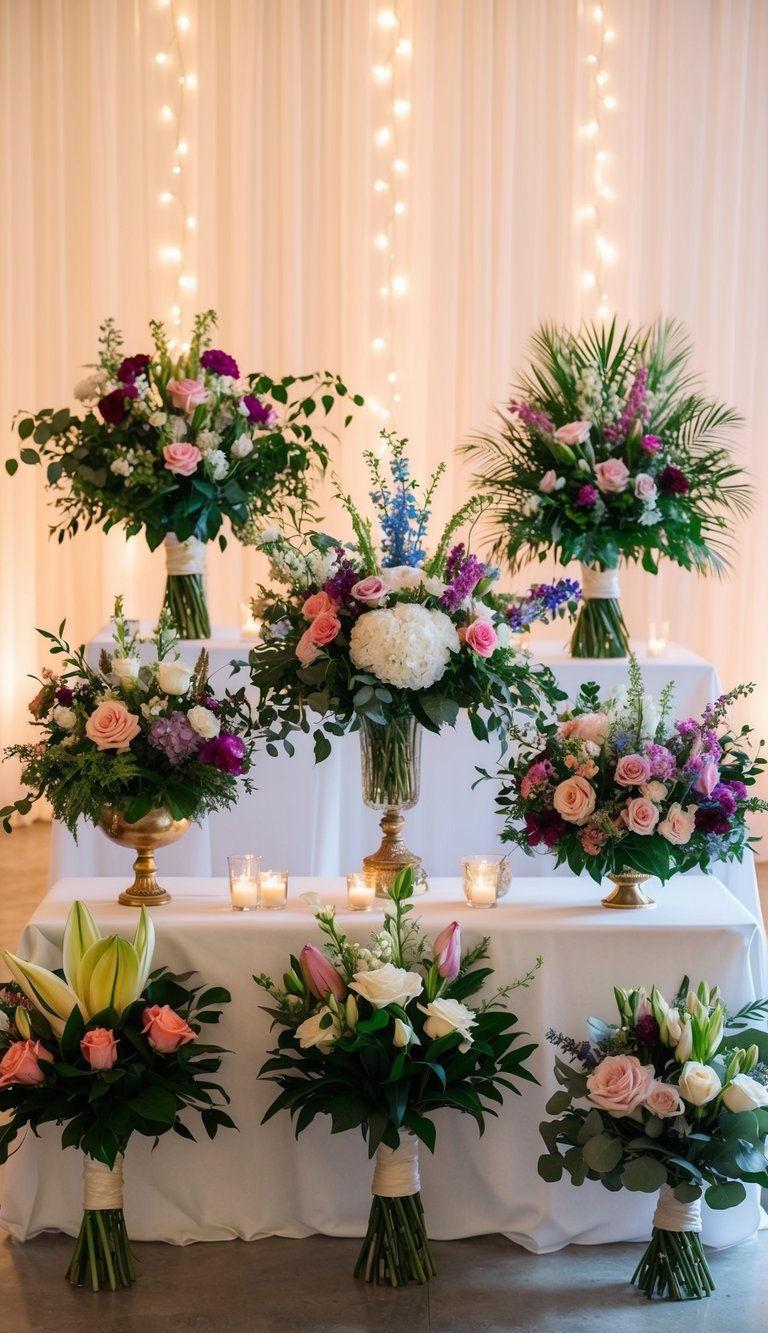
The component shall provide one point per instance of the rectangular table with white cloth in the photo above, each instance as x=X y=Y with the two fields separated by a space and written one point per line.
x=311 y=820
x=261 y=1181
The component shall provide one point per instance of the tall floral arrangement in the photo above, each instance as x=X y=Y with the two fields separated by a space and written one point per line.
x=380 y=1037
x=173 y=442
x=677 y=1102
x=107 y=1048
x=609 y=451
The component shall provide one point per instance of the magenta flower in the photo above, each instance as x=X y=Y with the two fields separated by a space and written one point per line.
x=586 y=498
x=219 y=363
x=673 y=482
x=448 y=952
x=261 y=414
x=64 y=696
x=320 y=976
x=113 y=407
x=132 y=366
x=651 y=444
x=226 y=752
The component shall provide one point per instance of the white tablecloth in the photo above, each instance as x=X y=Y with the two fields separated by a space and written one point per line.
x=261 y=1182
x=310 y=819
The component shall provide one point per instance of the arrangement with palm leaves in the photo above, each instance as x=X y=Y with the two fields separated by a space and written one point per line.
x=610 y=451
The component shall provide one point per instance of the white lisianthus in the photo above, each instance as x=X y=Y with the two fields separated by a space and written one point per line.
x=408 y=645
x=244 y=410
x=444 y=1016
x=218 y=463
x=178 y=428
x=173 y=677
x=404 y=1034
x=698 y=1083
x=126 y=668
x=203 y=721
x=158 y=419
x=64 y=717
x=91 y=387
x=208 y=441
x=242 y=446
x=310 y=1033
x=387 y=985
x=745 y=1094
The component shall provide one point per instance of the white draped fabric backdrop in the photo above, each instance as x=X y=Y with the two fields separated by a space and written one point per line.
x=281 y=117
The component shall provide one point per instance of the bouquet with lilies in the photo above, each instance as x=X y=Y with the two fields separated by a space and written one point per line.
x=380 y=1038
x=609 y=451
x=108 y=1048
x=677 y=1102
x=174 y=441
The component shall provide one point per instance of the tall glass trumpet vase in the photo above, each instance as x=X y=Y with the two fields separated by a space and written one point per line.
x=600 y=630
x=185 y=587
x=391 y=763
x=157 y=829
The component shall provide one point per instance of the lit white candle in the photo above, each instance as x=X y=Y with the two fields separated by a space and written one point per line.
x=361 y=893
x=245 y=893
x=250 y=627
x=482 y=891
x=274 y=888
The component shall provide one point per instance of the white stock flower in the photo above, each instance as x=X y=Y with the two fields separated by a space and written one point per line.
x=387 y=985
x=242 y=446
x=310 y=1033
x=173 y=677
x=698 y=1083
x=321 y=565
x=203 y=721
x=745 y=1094
x=218 y=463
x=407 y=645
x=64 y=717
x=126 y=668
x=92 y=386
x=444 y=1016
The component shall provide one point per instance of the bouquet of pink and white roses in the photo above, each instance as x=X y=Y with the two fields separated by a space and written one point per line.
x=380 y=1038
x=677 y=1102
x=173 y=442
x=107 y=1048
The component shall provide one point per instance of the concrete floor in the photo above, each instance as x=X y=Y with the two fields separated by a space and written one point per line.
x=484 y=1285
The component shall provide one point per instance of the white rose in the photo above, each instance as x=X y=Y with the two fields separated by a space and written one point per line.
x=310 y=1033
x=203 y=721
x=698 y=1083
x=745 y=1094
x=64 y=717
x=173 y=677
x=92 y=386
x=679 y=824
x=218 y=463
x=126 y=668
x=404 y=1034
x=387 y=985
x=444 y=1016
x=158 y=418
x=402 y=578
x=242 y=447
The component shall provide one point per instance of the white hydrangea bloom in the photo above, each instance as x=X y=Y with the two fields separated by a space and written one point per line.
x=407 y=645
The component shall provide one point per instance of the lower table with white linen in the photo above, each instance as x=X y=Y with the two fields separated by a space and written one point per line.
x=262 y=1182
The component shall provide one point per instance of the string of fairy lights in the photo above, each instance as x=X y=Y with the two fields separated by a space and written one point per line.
x=599 y=250
x=176 y=85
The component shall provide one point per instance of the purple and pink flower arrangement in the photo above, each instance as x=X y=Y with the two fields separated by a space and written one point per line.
x=615 y=784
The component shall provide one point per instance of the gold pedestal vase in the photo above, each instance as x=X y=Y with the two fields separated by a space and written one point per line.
x=627 y=895
x=156 y=829
x=391 y=759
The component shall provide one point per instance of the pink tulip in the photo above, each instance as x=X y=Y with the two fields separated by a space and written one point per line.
x=448 y=952
x=319 y=975
x=708 y=779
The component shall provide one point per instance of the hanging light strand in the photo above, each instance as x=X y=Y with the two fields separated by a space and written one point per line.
x=177 y=85
x=599 y=250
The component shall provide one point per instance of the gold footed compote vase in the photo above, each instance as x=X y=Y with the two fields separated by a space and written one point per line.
x=628 y=894
x=391 y=762
x=156 y=829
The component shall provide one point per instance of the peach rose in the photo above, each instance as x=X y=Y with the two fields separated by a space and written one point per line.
x=575 y=432
x=112 y=727
x=574 y=800
x=589 y=727
x=679 y=824
x=182 y=458
x=548 y=482
x=632 y=769
x=186 y=395
x=165 y=1030
x=317 y=604
x=645 y=487
x=640 y=815
x=612 y=475
x=664 y=1101
x=480 y=636
x=306 y=649
x=373 y=590
x=99 y=1048
x=324 y=628
x=620 y=1084
x=20 y=1063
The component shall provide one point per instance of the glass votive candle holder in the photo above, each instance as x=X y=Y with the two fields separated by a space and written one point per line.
x=489 y=859
x=274 y=889
x=481 y=880
x=244 y=882
x=361 y=892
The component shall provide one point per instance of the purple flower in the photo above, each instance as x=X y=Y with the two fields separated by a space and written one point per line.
x=542 y=602
x=260 y=414
x=673 y=482
x=725 y=798
x=586 y=498
x=213 y=704
x=112 y=406
x=647 y=1030
x=339 y=586
x=468 y=573
x=712 y=820
x=174 y=737
x=650 y=444
x=661 y=759
x=738 y=789
x=131 y=367
x=64 y=696
x=635 y=404
x=219 y=363
x=454 y=561
x=687 y=727
x=226 y=752
x=531 y=418
x=546 y=827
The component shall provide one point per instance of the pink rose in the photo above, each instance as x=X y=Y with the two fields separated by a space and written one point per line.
x=708 y=779
x=480 y=636
x=640 y=815
x=20 y=1063
x=548 y=482
x=645 y=487
x=679 y=824
x=306 y=649
x=651 y=444
x=324 y=628
x=589 y=727
x=372 y=590
x=574 y=800
x=575 y=432
x=632 y=769
x=99 y=1048
x=186 y=395
x=112 y=727
x=620 y=1084
x=165 y=1030
x=664 y=1101
x=612 y=475
x=182 y=458
x=316 y=604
